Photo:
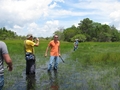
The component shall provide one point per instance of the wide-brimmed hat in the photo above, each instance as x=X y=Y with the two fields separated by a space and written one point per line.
x=29 y=35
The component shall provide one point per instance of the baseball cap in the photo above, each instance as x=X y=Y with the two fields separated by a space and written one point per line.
x=29 y=35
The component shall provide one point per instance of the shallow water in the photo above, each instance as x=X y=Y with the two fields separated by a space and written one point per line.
x=71 y=75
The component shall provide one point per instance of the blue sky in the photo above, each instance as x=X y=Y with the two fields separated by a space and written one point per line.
x=43 y=17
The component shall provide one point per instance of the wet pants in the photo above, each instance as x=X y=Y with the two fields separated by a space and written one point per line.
x=30 y=67
x=53 y=59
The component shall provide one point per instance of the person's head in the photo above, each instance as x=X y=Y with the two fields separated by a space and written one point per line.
x=76 y=39
x=55 y=37
x=29 y=36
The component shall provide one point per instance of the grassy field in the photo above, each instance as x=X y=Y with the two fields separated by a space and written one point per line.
x=93 y=66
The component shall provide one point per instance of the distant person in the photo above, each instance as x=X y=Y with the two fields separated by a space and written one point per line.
x=4 y=55
x=29 y=54
x=54 y=46
x=76 y=44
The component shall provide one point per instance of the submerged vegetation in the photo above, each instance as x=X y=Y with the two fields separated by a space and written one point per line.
x=93 y=66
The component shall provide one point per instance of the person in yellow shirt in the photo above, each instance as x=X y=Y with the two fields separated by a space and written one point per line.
x=29 y=53
x=54 y=46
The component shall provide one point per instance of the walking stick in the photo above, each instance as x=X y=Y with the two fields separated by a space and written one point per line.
x=62 y=59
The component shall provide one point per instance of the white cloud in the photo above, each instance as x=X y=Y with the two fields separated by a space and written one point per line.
x=115 y=15
x=21 y=13
x=53 y=5
x=50 y=27
x=107 y=10
x=43 y=17
x=17 y=27
x=60 y=1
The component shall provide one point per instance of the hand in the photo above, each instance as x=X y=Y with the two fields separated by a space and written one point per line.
x=37 y=39
x=45 y=54
x=59 y=55
x=9 y=68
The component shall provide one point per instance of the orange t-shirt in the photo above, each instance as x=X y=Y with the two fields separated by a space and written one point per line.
x=54 y=48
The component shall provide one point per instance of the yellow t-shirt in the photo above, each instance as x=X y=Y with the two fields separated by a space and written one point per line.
x=54 y=48
x=29 y=46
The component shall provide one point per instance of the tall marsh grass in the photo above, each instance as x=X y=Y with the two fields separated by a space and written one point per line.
x=98 y=64
x=16 y=51
x=93 y=66
x=96 y=53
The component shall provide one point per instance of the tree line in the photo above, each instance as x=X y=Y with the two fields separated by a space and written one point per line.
x=87 y=30
x=8 y=34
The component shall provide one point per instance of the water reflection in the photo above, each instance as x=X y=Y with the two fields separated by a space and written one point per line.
x=53 y=80
x=31 y=82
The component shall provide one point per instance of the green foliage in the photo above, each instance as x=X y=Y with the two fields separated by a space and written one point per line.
x=106 y=58
x=87 y=30
x=69 y=33
x=93 y=31
x=85 y=25
x=60 y=34
x=98 y=53
x=6 y=34
x=80 y=37
x=92 y=66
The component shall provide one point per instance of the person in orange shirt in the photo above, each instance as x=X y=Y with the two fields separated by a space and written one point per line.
x=54 y=46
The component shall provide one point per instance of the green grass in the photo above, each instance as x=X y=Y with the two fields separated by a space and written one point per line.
x=96 y=53
x=97 y=66
x=16 y=51
x=93 y=66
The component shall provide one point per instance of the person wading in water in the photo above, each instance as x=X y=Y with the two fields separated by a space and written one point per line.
x=29 y=54
x=54 y=46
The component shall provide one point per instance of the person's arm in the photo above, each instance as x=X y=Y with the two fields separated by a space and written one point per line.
x=8 y=61
x=48 y=48
x=47 y=51
x=37 y=42
x=59 y=51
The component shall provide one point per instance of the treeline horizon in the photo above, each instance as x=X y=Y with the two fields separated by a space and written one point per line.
x=87 y=30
